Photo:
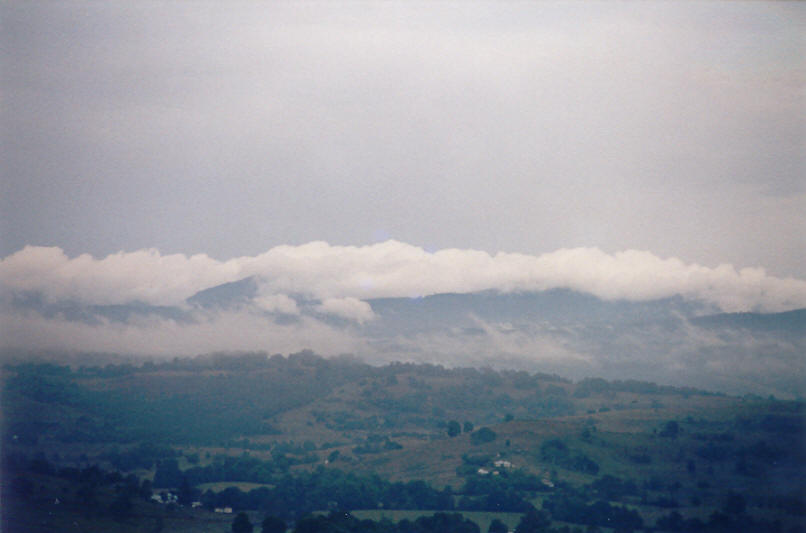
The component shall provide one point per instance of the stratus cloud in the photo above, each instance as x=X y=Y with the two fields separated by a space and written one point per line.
x=392 y=269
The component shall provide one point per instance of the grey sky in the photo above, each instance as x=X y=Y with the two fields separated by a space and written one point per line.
x=229 y=128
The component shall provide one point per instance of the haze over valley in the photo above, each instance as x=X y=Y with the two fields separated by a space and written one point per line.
x=580 y=312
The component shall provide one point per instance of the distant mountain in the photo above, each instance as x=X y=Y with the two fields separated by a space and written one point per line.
x=93 y=314
x=227 y=295
x=789 y=322
x=557 y=307
x=672 y=341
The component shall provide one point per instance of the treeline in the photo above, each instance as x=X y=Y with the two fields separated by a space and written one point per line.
x=352 y=368
x=346 y=523
x=93 y=491
x=302 y=491
x=331 y=488
x=594 y=386
x=595 y=518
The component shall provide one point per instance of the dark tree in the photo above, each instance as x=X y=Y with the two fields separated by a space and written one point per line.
x=482 y=435
x=145 y=489
x=121 y=508
x=554 y=451
x=533 y=521
x=167 y=474
x=313 y=524
x=272 y=524
x=468 y=426
x=87 y=499
x=241 y=524
x=670 y=430
x=497 y=526
x=671 y=522
x=734 y=503
x=454 y=428
x=443 y=522
x=187 y=494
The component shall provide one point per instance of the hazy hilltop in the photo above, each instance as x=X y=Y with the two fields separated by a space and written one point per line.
x=670 y=340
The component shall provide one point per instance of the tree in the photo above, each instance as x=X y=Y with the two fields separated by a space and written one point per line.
x=87 y=499
x=670 y=430
x=582 y=463
x=554 y=451
x=734 y=503
x=454 y=428
x=272 y=524
x=444 y=522
x=468 y=426
x=145 y=489
x=241 y=524
x=167 y=474
x=533 y=521
x=121 y=507
x=497 y=526
x=483 y=435
x=187 y=494
x=671 y=522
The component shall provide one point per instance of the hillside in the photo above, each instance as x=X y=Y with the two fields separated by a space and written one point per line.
x=479 y=439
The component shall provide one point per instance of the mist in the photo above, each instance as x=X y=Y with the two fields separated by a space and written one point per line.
x=576 y=312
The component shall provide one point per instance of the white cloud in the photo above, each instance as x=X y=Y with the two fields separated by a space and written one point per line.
x=349 y=308
x=345 y=275
x=277 y=303
x=143 y=275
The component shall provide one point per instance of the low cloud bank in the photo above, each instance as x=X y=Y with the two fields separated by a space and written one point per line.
x=678 y=353
x=224 y=331
x=349 y=308
x=341 y=277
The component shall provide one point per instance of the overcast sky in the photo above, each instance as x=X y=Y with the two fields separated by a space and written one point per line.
x=230 y=128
